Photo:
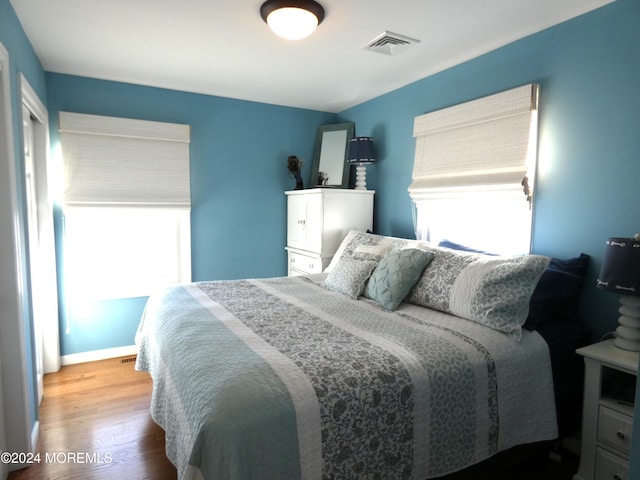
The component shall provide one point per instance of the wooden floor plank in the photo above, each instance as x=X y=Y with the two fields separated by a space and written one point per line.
x=95 y=424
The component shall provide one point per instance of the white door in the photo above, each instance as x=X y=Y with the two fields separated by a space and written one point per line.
x=296 y=221
x=315 y=226
x=35 y=256
x=304 y=221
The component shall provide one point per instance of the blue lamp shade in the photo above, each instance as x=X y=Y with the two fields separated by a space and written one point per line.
x=620 y=274
x=361 y=151
x=361 y=154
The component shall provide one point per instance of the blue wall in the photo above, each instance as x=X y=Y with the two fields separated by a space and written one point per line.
x=589 y=147
x=238 y=175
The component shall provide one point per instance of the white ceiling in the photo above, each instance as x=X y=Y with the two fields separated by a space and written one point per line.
x=222 y=47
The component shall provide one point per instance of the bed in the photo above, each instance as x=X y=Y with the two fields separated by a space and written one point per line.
x=403 y=360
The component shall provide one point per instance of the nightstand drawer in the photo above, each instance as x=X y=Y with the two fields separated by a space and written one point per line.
x=610 y=466
x=304 y=264
x=614 y=429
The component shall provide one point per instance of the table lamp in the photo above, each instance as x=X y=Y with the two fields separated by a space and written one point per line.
x=620 y=274
x=361 y=154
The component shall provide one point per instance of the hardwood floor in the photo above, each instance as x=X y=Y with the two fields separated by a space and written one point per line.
x=95 y=424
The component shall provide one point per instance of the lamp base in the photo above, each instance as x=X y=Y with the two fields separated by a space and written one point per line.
x=628 y=333
x=361 y=177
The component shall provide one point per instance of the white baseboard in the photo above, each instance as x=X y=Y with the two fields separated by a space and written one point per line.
x=94 y=355
x=35 y=433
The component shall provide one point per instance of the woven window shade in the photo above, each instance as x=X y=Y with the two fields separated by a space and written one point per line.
x=124 y=162
x=478 y=143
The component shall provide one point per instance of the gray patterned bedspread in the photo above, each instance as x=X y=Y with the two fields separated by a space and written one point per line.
x=283 y=379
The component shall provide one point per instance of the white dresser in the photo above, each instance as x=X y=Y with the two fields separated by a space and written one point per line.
x=318 y=219
x=610 y=376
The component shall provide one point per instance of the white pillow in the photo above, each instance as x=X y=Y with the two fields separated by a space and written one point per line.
x=349 y=276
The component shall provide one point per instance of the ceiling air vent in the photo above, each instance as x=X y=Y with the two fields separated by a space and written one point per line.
x=390 y=43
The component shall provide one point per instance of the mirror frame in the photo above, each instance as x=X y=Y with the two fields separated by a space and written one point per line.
x=349 y=127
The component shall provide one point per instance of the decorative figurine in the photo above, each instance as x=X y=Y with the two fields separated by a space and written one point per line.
x=295 y=169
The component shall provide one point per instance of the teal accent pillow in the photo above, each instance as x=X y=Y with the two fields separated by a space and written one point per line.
x=349 y=276
x=395 y=276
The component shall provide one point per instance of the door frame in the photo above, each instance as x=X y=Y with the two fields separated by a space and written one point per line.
x=48 y=294
x=15 y=401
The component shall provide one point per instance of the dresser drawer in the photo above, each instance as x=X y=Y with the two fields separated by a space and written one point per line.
x=614 y=429
x=610 y=466
x=304 y=264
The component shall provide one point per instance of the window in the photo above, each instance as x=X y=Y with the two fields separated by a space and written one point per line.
x=126 y=206
x=125 y=252
x=474 y=172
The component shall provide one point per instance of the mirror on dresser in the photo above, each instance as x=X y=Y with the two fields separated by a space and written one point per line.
x=329 y=155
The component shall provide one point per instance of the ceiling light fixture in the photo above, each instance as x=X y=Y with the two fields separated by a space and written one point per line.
x=294 y=19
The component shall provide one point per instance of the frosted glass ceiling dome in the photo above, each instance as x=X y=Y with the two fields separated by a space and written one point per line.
x=292 y=20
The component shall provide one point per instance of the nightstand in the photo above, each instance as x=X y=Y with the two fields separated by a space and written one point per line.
x=607 y=416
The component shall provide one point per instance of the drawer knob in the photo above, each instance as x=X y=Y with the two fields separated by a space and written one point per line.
x=617 y=476
x=301 y=222
x=621 y=435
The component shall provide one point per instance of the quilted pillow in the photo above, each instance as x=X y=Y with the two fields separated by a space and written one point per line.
x=395 y=275
x=492 y=291
x=349 y=276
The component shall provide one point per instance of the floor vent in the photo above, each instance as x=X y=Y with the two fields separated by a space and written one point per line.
x=390 y=43
x=129 y=359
